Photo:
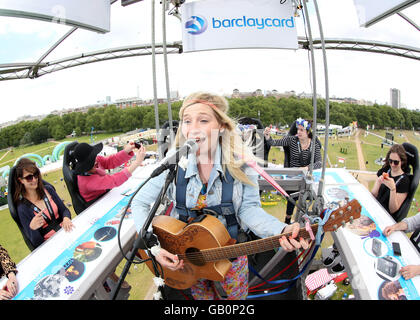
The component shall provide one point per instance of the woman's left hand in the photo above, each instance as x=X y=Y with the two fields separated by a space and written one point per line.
x=12 y=284
x=67 y=224
x=129 y=147
x=292 y=244
x=389 y=182
x=410 y=271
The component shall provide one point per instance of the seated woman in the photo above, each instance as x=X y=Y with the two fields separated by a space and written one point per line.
x=8 y=269
x=300 y=151
x=40 y=209
x=392 y=185
x=92 y=179
x=218 y=166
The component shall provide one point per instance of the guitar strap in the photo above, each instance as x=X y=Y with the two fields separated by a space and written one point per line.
x=225 y=208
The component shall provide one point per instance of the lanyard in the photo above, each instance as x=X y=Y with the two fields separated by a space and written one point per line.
x=37 y=210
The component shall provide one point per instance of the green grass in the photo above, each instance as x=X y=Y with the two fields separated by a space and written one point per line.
x=45 y=148
x=342 y=148
x=11 y=238
x=371 y=153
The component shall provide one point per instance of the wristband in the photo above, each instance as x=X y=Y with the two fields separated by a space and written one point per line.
x=155 y=250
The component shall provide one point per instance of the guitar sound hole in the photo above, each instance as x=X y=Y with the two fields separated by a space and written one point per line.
x=195 y=256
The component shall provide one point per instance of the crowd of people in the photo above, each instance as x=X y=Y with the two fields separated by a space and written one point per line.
x=216 y=178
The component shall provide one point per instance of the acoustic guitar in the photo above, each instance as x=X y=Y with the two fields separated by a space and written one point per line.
x=205 y=245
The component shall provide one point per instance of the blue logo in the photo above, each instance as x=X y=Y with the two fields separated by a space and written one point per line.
x=196 y=25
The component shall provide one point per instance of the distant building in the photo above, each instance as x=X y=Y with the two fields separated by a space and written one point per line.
x=305 y=95
x=395 y=98
x=238 y=94
x=259 y=93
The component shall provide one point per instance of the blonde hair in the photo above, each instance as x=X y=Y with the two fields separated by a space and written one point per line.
x=235 y=153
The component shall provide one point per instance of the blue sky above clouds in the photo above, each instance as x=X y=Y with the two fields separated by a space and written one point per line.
x=351 y=74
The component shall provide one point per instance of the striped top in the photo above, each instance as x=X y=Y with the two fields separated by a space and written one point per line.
x=298 y=157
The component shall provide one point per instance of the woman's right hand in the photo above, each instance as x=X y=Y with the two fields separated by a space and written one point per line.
x=67 y=224
x=400 y=226
x=140 y=154
x=169 y=260
x=5 y=295
x=37 y=222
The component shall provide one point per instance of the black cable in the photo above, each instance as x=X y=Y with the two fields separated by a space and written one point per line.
x=141 y=239
x=121 y=221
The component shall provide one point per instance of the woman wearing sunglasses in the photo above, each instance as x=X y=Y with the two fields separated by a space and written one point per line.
x=392 y=185
x=40 y=209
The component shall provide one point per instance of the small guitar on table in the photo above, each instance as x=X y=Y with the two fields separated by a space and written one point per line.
x=205 y=245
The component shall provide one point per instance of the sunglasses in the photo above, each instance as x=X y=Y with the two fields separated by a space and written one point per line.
x=396 y=162
x=30 y=177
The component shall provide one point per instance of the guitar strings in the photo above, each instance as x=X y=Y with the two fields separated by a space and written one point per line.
x=220 y=253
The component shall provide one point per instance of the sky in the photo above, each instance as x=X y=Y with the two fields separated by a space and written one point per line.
x=358 y=75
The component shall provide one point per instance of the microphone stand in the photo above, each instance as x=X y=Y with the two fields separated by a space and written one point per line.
x=143 y=237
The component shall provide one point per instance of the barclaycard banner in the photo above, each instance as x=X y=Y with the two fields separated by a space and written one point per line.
x=92 y=15
x=221 y=24
x=372 y=11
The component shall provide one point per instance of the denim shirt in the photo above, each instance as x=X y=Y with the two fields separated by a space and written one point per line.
x=246 y=198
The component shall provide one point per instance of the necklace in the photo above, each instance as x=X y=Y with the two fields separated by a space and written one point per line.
x=305 y=144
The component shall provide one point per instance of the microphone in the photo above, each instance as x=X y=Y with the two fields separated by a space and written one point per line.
x=189 y=146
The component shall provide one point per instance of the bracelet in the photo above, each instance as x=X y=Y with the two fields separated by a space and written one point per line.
x=393 y=189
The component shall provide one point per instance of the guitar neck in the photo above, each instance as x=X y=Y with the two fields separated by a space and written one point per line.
x=251 y=247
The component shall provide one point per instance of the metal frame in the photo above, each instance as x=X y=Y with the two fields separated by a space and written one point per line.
x=20 y=71
x=12 y=71
x=365 y=46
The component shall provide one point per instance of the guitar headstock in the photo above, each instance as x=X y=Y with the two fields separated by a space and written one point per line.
x=340 y=216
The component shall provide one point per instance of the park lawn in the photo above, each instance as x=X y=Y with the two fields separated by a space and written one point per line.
x=413 y=137
x=47 y=148
x=96 y=137
x=11 y=238
x=343 y=148
x=40 y=149
x=371 y=153
x=370 y=138
x=399 y=136
x=276 y=155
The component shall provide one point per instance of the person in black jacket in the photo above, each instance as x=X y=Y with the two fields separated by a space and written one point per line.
x=40 y=209
x=8 y=269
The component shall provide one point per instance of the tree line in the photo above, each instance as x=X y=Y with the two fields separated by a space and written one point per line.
x=270 y=110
